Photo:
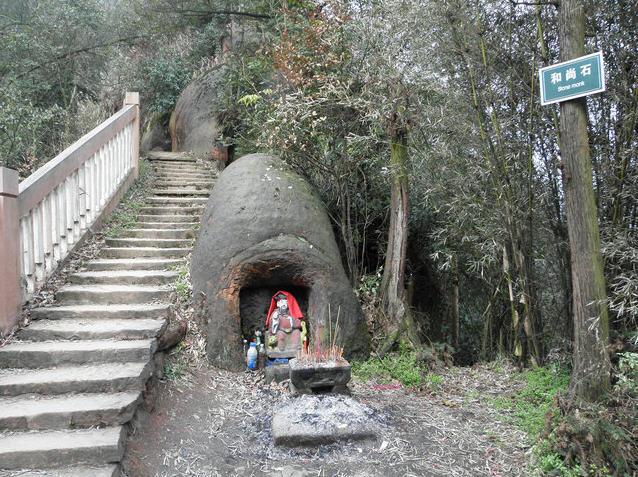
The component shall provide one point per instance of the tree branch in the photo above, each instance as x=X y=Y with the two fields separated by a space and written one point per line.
x=555 y=3
x=84 y=49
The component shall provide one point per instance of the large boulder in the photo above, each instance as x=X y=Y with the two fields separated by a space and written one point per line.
x=194 y=124
x=264 y=230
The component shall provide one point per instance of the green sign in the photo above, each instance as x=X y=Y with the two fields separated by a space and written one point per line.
x=572 y=79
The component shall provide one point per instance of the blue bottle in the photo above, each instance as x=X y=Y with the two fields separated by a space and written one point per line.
x=251 y=356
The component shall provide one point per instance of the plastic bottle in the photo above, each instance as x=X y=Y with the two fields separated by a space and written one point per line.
x=261 y=359
x=245 y=347
x=251 y=356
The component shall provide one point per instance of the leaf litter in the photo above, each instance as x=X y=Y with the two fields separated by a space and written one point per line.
x=214 y=422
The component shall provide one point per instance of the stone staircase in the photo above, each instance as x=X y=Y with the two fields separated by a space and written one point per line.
x=74 y=377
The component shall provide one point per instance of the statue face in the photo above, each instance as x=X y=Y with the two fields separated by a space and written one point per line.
x=282 y=304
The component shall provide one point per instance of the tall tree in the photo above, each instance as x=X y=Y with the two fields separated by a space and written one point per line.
x=591 y=367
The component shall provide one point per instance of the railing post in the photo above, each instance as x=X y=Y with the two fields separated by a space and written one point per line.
x=134 y=98
x=10 y=293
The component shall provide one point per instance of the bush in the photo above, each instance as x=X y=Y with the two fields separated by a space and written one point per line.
x=165 y=80
x=405 y=366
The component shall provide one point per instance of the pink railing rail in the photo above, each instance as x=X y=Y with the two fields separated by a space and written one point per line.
x=46 y=215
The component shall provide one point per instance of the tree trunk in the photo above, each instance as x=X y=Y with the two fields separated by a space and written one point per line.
x=455 y=304
x=591 y=367
x=393 y=281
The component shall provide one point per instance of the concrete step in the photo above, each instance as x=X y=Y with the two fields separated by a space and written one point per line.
x=124 y=277
x=97 y=312
x=86 y=378
x=190 y=219
x=148 y=242
x=167 y=225
x=168 y=156
x=111 y=470
x=45 y=354
x=159 y=233
x=172 y=210
x=135 y=252
x=111 y=294
x=183 y=168
x=93 y=329
x=26 y=450
x=67 y=411
x=134 y=264
x=183 y=174
x=177 y=200
x=178 y=191
x=178 y=166
x=163 y=174
x=188 y=184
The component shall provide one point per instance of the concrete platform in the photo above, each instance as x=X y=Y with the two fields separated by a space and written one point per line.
x=311 y=420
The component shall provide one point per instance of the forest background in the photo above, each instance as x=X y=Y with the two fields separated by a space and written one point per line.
x=418 y=122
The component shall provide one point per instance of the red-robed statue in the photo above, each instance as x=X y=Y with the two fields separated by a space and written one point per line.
x=285 y=328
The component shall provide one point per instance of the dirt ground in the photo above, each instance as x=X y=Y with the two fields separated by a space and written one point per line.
x=217 y=423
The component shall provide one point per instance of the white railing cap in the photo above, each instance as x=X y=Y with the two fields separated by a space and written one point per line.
x=39 y=184
x=8 y=182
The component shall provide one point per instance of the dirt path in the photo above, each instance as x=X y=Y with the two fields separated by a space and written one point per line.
x=218 y=423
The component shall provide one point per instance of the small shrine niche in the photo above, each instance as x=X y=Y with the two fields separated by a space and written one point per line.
x=254 y=304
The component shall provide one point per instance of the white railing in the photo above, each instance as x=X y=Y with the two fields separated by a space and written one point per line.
x=57 y=204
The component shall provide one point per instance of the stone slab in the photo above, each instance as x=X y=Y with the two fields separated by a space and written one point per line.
x=38 y=449
x=311 y=420
x=101 y=311
x=277 y=373
x=93 y=329
x=309 y=378
x=67 y=411
x=44 y=354
x=87 y=378
x=106 y=471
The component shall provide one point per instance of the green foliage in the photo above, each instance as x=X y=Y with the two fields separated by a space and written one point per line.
x=370 y=283
x=177 y=365
x=532 y=403
x=627 y=377
x=182 y=285
x=404 y=366
x=165 y=80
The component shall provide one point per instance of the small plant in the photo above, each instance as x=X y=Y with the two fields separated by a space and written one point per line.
x=405 y=366
x=182 y=285
x=370 y=283
x=176 y=366
x=627 y=374
x=532 y=403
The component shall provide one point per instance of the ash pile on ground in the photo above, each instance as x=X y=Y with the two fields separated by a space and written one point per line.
x=321 y=419
x=218 y=423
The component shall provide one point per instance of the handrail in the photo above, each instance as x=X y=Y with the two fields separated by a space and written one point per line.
x=49 y=213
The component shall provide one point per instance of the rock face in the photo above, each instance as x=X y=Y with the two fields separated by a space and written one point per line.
x=265 y=229
x=194 y=123
x=155 y=136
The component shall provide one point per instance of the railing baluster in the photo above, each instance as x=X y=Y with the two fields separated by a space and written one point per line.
x=26 y=225
x=55 y=226
x=47 y=233
x=38 y=248
x=82 y=197
x=103 y=175
x=75 y=193
x=68 y=204
x=62 y=220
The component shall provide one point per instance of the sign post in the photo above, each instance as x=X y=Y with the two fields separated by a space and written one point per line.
x=572 y=79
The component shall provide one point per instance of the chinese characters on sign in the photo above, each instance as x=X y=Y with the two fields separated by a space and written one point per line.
x=572 y=79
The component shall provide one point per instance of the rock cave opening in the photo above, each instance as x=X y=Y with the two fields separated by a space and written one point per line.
x=259 y=288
